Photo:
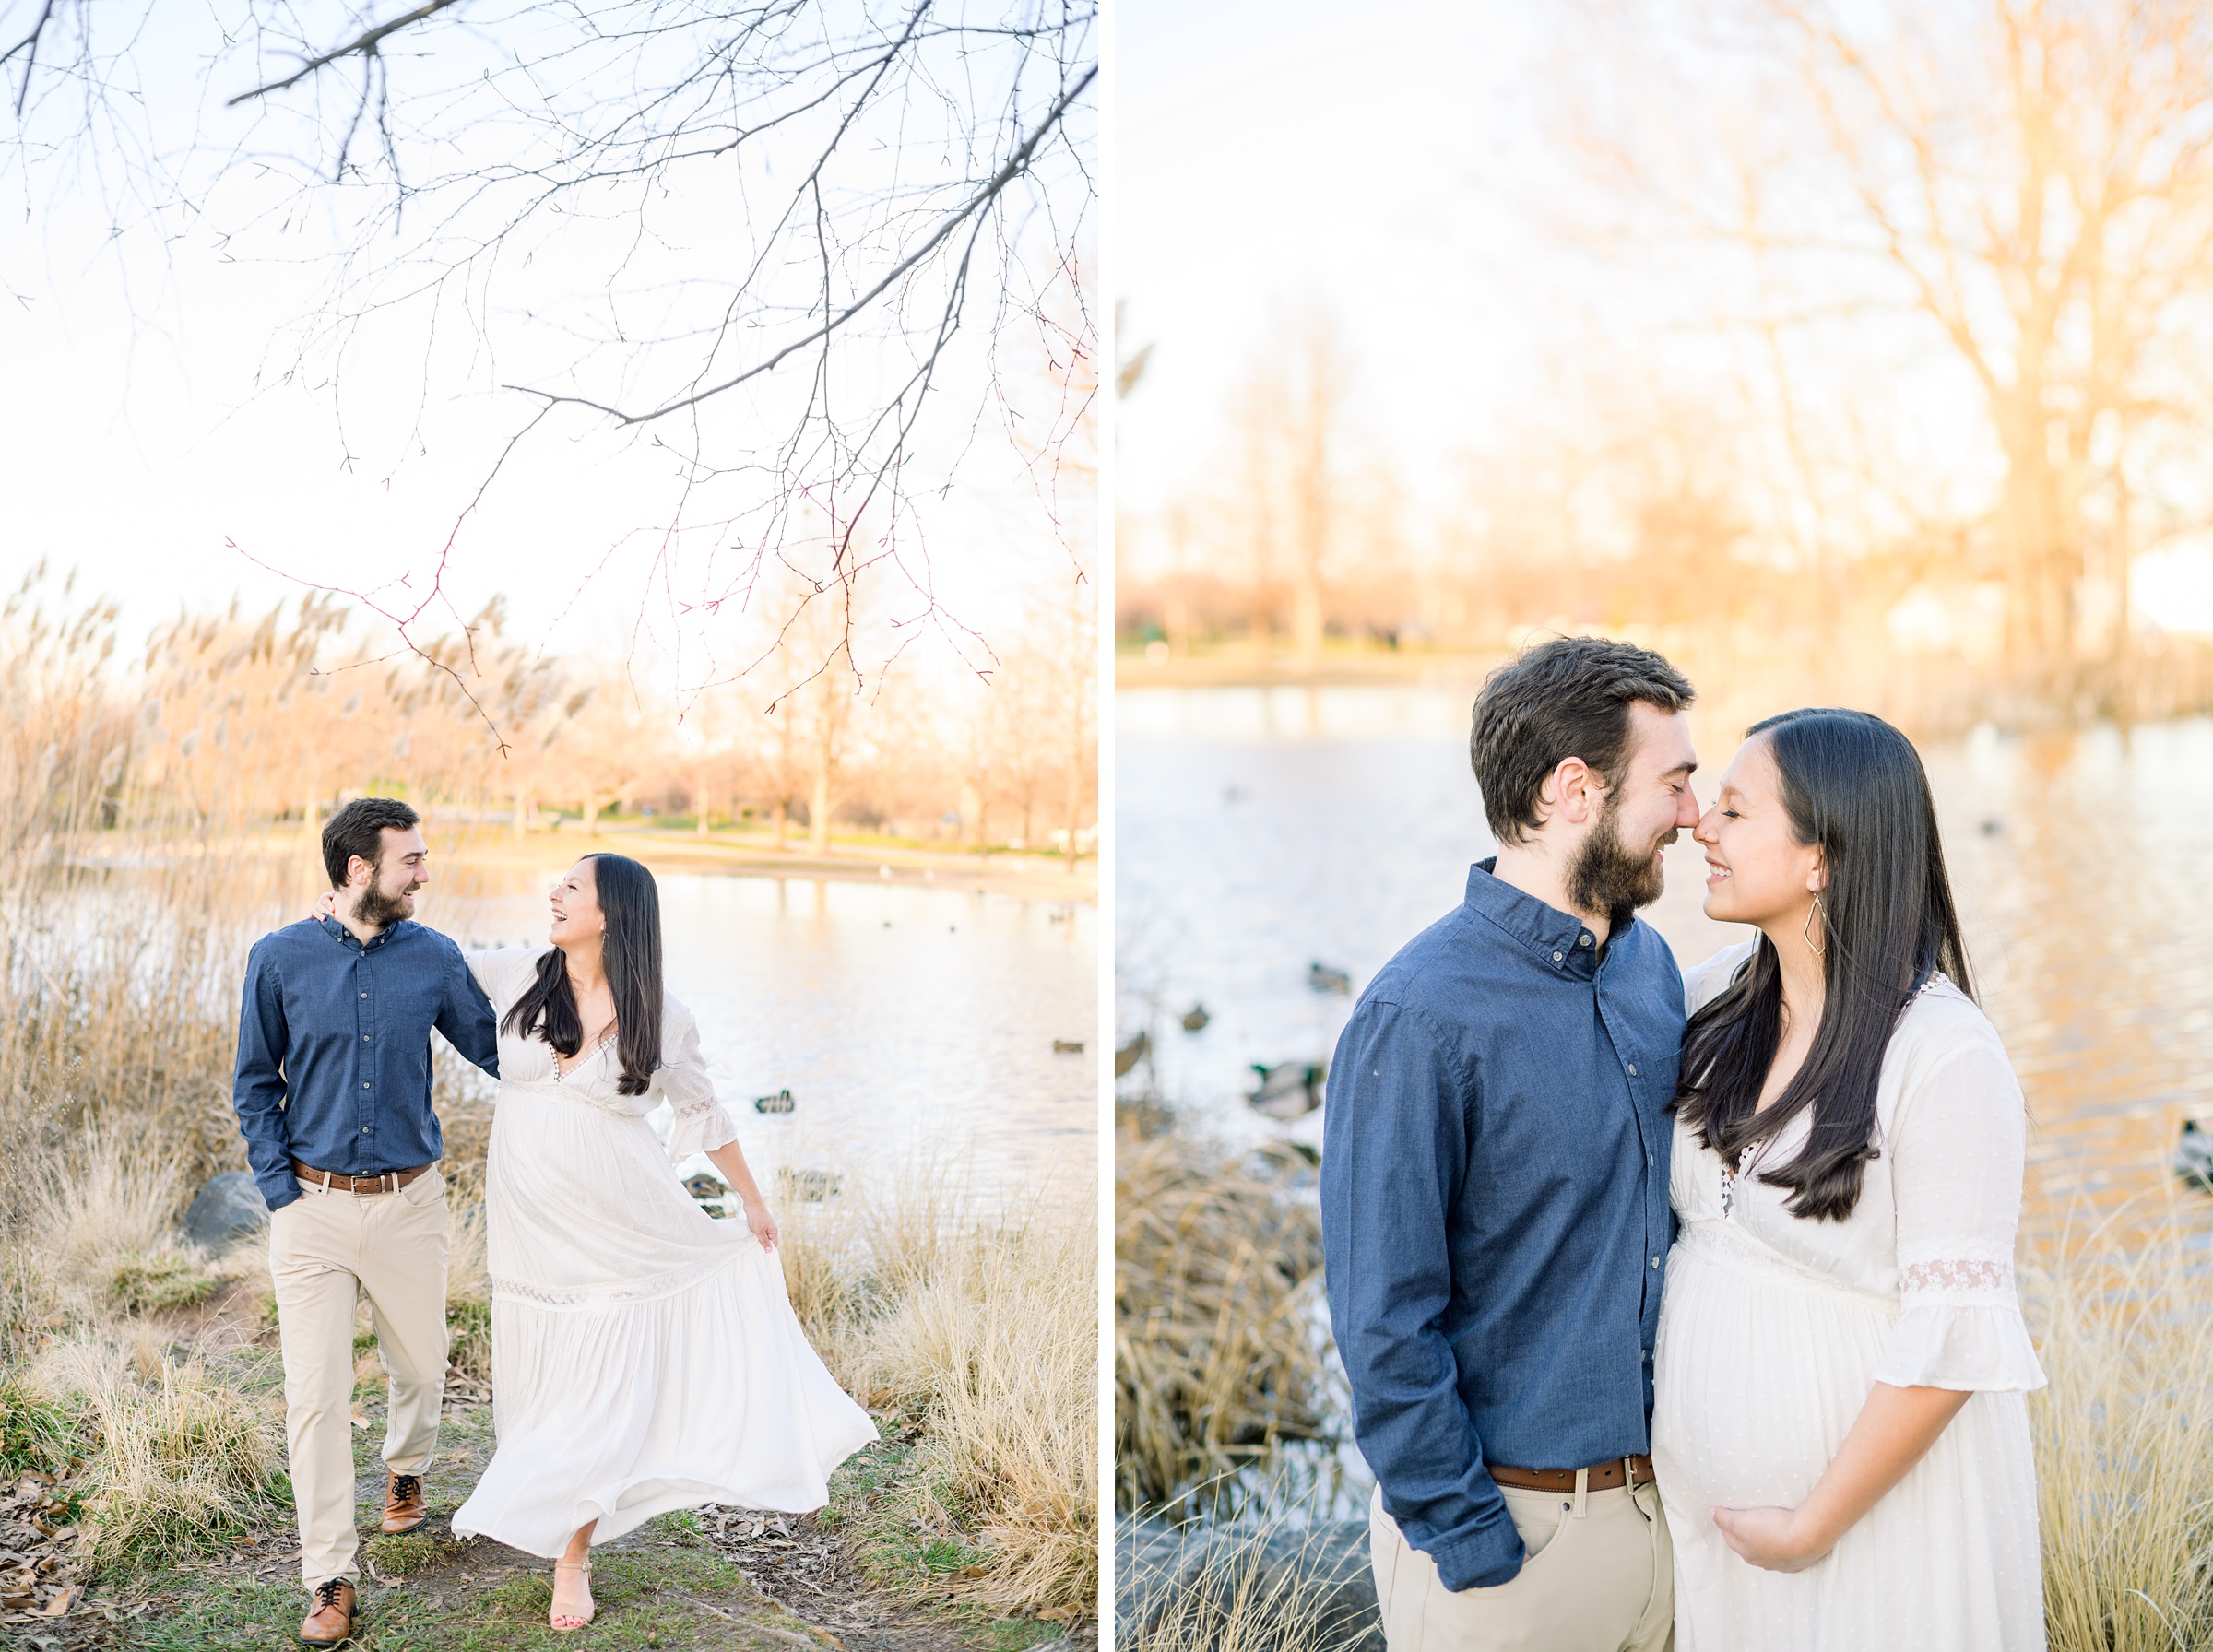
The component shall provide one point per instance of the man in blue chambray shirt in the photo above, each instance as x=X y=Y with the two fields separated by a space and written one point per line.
x=333 y=1092
x=1494 y=1184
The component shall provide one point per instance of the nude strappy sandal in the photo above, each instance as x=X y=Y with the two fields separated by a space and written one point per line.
x=563 y=1622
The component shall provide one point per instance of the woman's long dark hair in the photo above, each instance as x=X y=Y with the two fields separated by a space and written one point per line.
x=631 y=953
x=1854 y=785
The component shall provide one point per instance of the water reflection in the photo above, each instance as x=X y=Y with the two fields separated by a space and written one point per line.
x=1262 y=831
x=905 y=1021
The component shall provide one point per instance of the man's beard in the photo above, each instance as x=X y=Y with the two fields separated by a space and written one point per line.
x=377 y=909
x=1605 y=877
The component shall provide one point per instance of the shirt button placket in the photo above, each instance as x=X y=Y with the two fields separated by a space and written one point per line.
x=368 y=1022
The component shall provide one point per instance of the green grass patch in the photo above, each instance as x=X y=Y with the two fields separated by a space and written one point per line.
x=647 y=1598
x=641 y=1598
x=160 y=1283
x=1016 y=1635
x=223 y=1615
x=399 y=1554
x=875 y=1497
x=36 y=1435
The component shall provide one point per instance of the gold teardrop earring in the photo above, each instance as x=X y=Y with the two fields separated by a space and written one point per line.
x=1817 y=916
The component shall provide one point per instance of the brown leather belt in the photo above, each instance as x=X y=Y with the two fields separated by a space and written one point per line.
x=1604 y=1476
x=391 y=1181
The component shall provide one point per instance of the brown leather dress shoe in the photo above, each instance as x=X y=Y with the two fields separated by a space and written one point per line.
x=405 y=1506
x=331 y=1621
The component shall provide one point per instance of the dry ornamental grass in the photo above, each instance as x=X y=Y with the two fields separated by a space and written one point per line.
x=1220 y=1353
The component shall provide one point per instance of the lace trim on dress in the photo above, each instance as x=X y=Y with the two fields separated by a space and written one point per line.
x=1951 y=1273
x=601 y=1297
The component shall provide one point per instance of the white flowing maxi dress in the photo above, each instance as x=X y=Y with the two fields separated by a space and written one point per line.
x=644 y=1356
x=1773 y=1330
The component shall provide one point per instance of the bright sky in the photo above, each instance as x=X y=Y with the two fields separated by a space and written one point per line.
x=136 y=446
x=1281 y=157
x=1382 y=166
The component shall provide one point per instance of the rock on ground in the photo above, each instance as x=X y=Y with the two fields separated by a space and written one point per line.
x=229 y=1208
x=1304 y=1588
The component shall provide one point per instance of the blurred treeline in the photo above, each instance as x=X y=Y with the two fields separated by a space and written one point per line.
x=231 y=720
x=1880 y=371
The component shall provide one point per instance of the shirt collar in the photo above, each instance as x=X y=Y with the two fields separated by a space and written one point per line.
x=1557 y=939
x=346 y=938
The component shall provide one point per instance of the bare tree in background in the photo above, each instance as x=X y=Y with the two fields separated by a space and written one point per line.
x=2024 y=188
x=612 y=746
x=764 y=238
x=1312 y=436
x=1289 y=419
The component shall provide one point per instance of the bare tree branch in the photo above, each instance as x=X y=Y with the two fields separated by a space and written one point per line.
x=365 y=45
x=1017 y=164
x=28 y=47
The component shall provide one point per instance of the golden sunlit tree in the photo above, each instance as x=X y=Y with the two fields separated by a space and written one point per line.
x=2017 y=194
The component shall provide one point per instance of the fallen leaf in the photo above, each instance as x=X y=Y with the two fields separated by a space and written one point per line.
x=60 y=1603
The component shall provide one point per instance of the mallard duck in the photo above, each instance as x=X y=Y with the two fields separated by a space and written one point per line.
x=1323 y=978
x=2194 y=1157
x=812 y=1185
x=1196 y=1017
x=1292 y=1090
x=1131 y=1054
x=779 y=1102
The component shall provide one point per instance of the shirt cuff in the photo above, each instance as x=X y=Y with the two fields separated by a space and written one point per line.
x=1483 y=1559
x=278 y=1191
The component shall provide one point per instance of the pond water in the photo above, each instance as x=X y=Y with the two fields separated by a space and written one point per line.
x=910 y=1025
x=1261 y=831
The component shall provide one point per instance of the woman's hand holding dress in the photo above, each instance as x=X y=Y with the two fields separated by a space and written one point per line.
x=762 y=1224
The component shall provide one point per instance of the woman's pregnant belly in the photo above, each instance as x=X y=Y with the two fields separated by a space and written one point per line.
x=1756 y=1379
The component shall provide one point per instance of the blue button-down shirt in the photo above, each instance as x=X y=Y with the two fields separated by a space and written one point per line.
x=1494 y=1209
x=334 y=1048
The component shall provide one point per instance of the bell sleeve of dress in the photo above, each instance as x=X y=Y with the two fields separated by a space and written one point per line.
x=698 y=1123
x=1957 y=1159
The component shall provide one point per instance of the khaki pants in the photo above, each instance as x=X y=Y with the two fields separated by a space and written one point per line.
x=324 y=1247
x=1598 y=1578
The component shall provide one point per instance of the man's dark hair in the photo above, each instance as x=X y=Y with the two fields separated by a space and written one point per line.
x=359 y=829
x=1567 y=698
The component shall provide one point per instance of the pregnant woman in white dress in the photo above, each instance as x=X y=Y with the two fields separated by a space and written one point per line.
x=1840 y=1434
x=644 y=1356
